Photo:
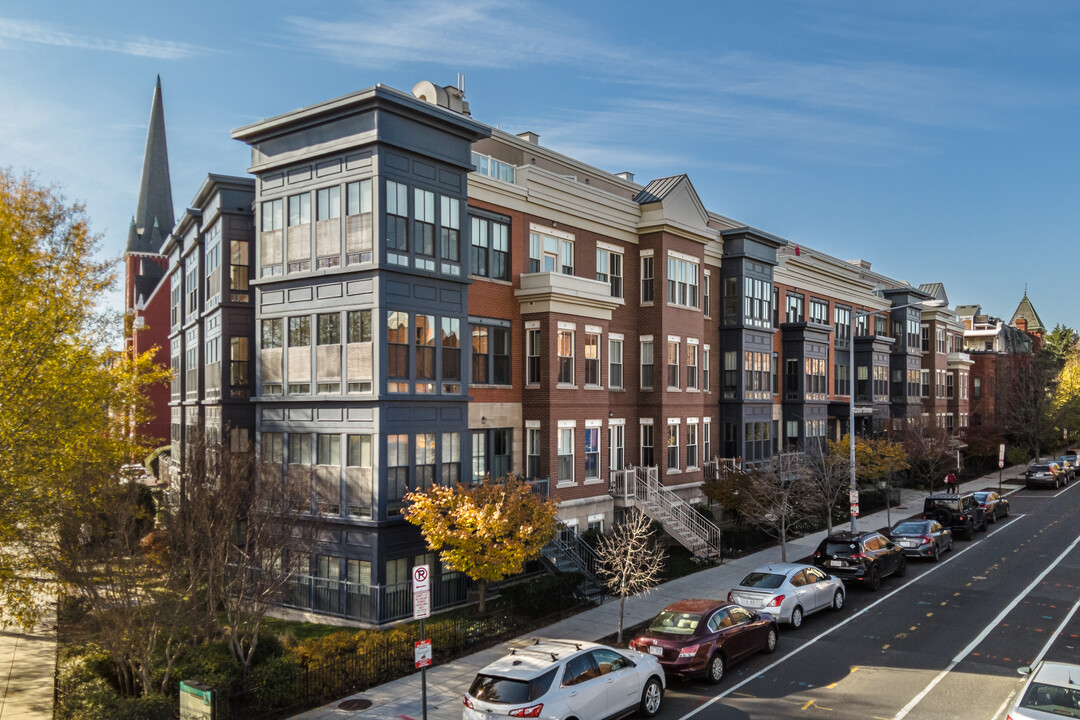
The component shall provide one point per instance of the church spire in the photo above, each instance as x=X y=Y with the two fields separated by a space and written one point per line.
x=155 y=208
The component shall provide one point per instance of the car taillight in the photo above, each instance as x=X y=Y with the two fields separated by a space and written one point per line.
x=468 y=702
x=817 y=553
x=730 y=597
x=858 y=556
x=777 y=600
x=689 y=651
x=923 y=540
x=533 y=711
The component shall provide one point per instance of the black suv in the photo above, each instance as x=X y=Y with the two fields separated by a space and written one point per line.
x=865 y=557
x=960 y=512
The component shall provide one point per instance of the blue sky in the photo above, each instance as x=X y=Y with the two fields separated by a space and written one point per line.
x=936 y=139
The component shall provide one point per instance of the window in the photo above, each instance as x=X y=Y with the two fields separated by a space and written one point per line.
x=758 y=376
x=881 y=382
x=450 y=234
x=489 y=166
x=358 y=352
x=238 y=367
x=976 y=387
x=842 y=320
x=299 y=449
x=816 y=380
x=819 y=311
x=731 y=374
x=272 y=449
x=592 y=453
x=566 y=455
x=191 y=284
x=758 y=303
x=706 y=369
x=647 y=364
x=794 y=312
x=271 y=344
x=532 y=453
x=706 y=434
x=238 y=271
x=609 y=270
x=490 y=355
x=691 y=446
x=424 y=356
x=941 y=340
x=924 y=336
x=397 y=223
x=270 y=246
x=692 y=351
x=672 y=447
x=949 y=382
x=550 y=254
x=648 y=458
x=532 y=352
x=359 y=233
x=328 y=450
x=328 y=227
x=299 y=233
x=566 y=357
x=672 y=365
x=328 y=353
x=359 y=488
x=841 y=380
x=615 y=362
x=881 y=325
x=451 y=459
x=425 y=461
x=707 y=294
x=175 y=301
x=451 y=355
x=592 y=359
x=682 y=282
x=424 y=238
x=647 y=279
x=397 y=351
x=490 y=255
x=914 y=334
x=299 y=355
x=212 y=262
x=616 y=447
x=397 y=471
x=791 y=379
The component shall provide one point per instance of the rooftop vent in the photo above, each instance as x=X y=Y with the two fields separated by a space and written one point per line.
x=530 y=137
x=625 y=175
x=449 y=97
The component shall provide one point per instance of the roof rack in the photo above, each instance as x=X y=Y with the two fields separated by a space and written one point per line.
x=537 y=641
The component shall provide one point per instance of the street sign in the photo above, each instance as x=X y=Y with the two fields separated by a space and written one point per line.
x=421 y=591
x=853 y=497
x=1001 y=463
x=854 y=509
x=423 y=653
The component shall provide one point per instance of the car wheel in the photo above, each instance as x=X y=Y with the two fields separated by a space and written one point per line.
x=838 y=600
x=796 y=617
x=770 y=641
x=993 y=517
x=935 y=554
x=651 y=697
x=1006 y=513
x=873 y=580
x=1056 y=484
x=901 y=568
x=969 y=530
x=982 y=527
x=715 y=672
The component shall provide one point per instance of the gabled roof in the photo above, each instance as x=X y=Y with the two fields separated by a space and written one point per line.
x=154 y=213
x=1027 y=311
x=966 y=310
x=677 y=201
x=658 y=189
x=936 y=291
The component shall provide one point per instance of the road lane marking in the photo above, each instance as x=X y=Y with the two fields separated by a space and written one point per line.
x=1056 y=633
x=986 y=631
x=1004 y=705
x=717 y=698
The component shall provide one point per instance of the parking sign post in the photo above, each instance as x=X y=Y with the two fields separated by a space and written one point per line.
x=1001 y=464
x=421 y=593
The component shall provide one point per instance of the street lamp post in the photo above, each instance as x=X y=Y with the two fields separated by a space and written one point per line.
x=853 y=486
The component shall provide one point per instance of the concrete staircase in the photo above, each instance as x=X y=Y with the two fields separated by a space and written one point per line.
x=641 y=488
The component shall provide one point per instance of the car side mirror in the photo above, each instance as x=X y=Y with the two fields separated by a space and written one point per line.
x=889 y=546
x=1026 y=670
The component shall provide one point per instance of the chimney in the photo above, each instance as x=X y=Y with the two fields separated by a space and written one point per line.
x=530 y=137
x=625 y=175
x=864 y=264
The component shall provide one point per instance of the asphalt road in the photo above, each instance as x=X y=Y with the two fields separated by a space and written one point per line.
x=942 y=643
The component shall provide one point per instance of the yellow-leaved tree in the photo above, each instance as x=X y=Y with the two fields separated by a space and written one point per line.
x=65 y=398
x=487 y=530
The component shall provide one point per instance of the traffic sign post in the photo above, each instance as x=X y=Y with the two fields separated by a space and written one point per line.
x=1001 y=464
x=421 y=593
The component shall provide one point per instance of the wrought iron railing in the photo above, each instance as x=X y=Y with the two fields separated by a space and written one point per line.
x=642 y=487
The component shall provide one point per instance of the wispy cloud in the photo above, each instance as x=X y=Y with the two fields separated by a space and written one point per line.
x=139 y=46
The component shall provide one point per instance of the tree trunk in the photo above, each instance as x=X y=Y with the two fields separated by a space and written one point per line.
x=622 y=607
x=483 y=596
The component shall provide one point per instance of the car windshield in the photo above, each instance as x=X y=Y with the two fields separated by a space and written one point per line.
x=941 y=503
x=909 y=528
x=677 y=623
x=982 y=496
x=1053 y=699
x=496 y=689
x=841 y=548
x=763 y=580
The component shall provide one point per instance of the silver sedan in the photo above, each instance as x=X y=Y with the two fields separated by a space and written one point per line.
x=788 y=591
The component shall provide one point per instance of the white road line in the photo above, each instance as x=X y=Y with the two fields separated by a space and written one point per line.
x=1065 y=489
x=1005 y=704
x=842 y=623
x=1055 y=634
x=982 y=635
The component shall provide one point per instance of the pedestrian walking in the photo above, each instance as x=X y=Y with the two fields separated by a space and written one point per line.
x=950 y=482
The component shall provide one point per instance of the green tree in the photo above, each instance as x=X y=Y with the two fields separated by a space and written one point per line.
x=487 y=530
x=1059 y=343
x=58 y=380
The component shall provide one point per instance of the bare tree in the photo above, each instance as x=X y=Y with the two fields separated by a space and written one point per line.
x=828 y=473
x=632 y=560
x=929 y=450
x=1025 y=402
x=775 y=499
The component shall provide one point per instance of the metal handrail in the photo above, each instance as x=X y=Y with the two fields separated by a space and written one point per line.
x=642 y=484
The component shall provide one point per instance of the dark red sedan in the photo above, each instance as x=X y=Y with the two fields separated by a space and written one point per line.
x=700 y=638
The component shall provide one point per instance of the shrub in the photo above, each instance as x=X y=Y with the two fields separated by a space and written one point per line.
x=272 y=683
x=545 y=595
x=1017 y=456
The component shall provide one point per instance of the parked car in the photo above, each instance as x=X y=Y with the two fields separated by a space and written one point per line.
x=566 y=679
x=1049 y=474
x=788 y=592
x=863 y=557
x=1051 y=692
x=960 y=512
x=701 y=638
x=993 y=505
x=1068 y=467
x=922 y=538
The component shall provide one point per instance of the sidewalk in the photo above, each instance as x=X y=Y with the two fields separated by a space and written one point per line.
x=446 y=684
x=27 y=666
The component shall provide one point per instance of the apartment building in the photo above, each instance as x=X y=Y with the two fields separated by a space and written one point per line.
x=996 y=349
x=946 y=368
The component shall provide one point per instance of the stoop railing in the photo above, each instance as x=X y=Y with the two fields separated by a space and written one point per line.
x=567 y=552
x=641 y=488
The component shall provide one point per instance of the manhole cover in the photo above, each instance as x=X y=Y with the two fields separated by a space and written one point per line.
x=356 y=704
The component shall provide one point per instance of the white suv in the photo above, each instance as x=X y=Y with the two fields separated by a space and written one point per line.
x=566 y=680
x=1052 y=691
